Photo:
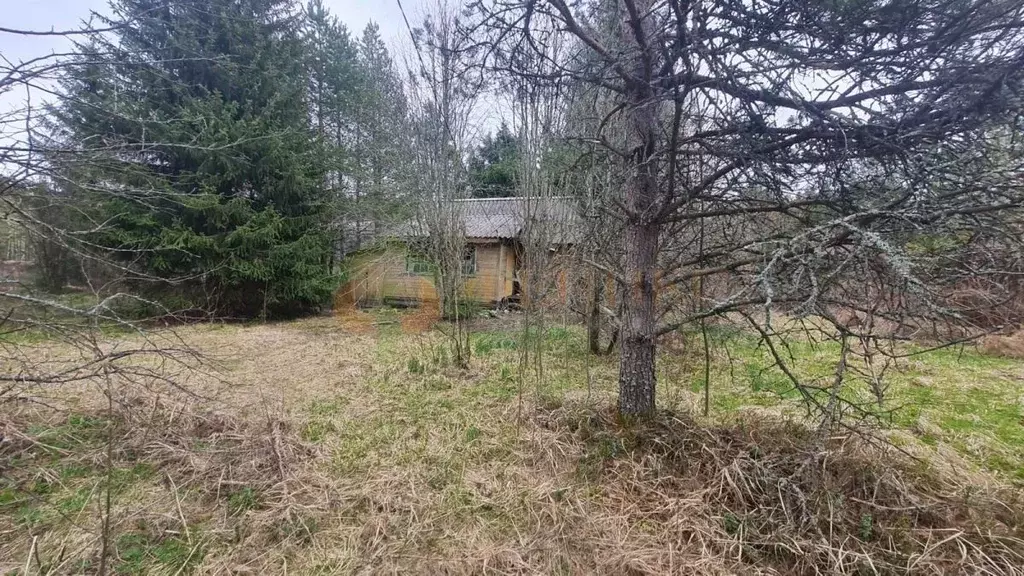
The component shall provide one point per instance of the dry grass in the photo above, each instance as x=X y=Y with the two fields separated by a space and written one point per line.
x=319 y=448
x=1004 y=345
x=752 y=498
x=419 y=320
x=355 y=321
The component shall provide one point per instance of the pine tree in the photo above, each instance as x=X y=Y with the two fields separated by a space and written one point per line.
x=380 y=143
x=335 y=86
x=195 y=113
x=494 y=165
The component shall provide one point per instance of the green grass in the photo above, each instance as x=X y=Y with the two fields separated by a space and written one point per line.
x=74 y=503
x=60 y=480
x=555 y=339
x=955 y=396
x=486 y=342
x=138 y=553
x=320 y=424
x=973 y=402
x=426 y=418
x=243 y=500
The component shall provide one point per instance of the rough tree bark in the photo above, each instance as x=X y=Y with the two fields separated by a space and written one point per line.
x=637 y=379
x=594 y=314
x=636 y=364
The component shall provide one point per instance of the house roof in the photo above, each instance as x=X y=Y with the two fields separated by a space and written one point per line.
x=508 y=218
x=497 y=226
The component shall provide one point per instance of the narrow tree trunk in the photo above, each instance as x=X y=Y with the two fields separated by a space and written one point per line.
x=358 y=204
x=594 y=318
x=330 y=257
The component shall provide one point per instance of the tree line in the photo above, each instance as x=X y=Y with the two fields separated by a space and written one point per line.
x=217 y=148
x=237 y=148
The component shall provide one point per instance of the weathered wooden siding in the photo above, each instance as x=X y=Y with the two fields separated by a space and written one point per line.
x=375 y=276
x=484 y=286
x=507 y=255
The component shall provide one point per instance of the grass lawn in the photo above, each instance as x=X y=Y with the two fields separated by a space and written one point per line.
x=352 y=446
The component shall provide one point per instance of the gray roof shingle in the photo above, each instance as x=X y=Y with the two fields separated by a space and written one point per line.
x=506 y=218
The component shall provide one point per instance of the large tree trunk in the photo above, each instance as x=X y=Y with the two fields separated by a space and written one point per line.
x=637 y=359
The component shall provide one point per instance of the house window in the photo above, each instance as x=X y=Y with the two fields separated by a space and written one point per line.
x=418 y=265
x=469 y=261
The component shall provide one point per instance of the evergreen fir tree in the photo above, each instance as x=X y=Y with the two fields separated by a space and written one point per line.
x=381 y=137
x=494 y=165
x=196 y=113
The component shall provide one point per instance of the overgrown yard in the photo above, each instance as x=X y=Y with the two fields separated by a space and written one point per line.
x=337 y=446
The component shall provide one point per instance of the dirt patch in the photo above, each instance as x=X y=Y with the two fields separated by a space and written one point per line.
x=355 y=321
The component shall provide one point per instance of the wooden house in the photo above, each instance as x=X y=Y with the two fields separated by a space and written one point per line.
x=391 y=271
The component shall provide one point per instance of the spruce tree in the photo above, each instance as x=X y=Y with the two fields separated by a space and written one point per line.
x=196 y=114
x=494 y=165
x=335 y=83
x=383 y=118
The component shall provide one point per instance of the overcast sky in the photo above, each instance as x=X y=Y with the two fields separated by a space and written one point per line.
x=46 y=15
x=41 y=15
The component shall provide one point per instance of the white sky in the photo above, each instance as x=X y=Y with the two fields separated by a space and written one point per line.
x=60 y=15
x=46 y=15
x=42 y=15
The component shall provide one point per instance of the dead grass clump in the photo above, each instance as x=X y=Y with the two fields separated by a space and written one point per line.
x=250 y=478
x=213 y=451
x=1003 y=346
x=757 y=496
x=355 y=321
x=190 y=487
x=421 y=319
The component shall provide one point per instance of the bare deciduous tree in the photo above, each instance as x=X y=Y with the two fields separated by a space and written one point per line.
x=444 y=91
x=50 y=340
x=808 y=144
